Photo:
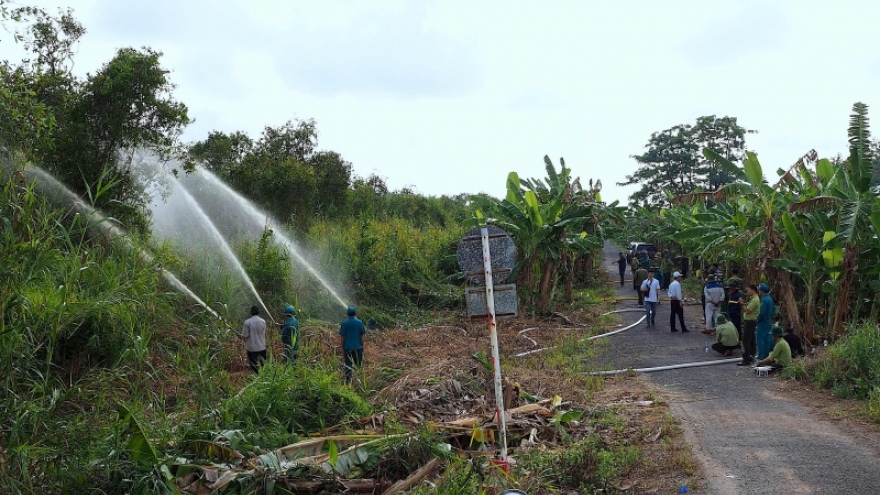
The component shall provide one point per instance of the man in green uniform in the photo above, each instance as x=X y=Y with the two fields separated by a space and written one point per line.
x=781 y=355
x=290 y=335
x=750 y=309
x=726 y=336
x=640 y=276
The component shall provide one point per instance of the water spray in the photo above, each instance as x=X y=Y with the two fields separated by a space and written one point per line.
x=259 y=216
x=97 y=218
x=224 y=246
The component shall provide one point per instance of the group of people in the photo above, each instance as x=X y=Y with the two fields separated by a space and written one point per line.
x=746 y=322
x=351 y=339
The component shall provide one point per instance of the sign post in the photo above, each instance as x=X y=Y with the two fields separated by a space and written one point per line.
x=493 y=338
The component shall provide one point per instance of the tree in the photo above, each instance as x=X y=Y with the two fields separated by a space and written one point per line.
x=96 y=122
x=221 y=153
x=673 y=166
x=725 y=137
x=552 y=222
x=669 y=164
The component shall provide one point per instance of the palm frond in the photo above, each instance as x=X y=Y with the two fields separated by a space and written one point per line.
x=809 y=205
x=692 y=198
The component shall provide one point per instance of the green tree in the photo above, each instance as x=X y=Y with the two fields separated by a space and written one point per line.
x=670 y=163
x=673 y=166
x=99 y=121
x=553 y=221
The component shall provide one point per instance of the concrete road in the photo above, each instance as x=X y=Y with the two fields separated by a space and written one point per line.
x=751 y=438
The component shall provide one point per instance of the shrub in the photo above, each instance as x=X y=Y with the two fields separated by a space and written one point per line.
x=295 y=398
x=852 y=367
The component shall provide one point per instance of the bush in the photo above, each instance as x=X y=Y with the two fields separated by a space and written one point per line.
x=852 y=367
x=294 y=398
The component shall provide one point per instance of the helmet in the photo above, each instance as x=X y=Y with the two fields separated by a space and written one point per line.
x=351 y=311
x=764 y=288
x=289 y=310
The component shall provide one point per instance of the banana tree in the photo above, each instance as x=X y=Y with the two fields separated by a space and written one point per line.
x=551 y=221
x=761 y=205
x=848 y=191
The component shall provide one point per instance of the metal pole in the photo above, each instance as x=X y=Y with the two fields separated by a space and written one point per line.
x=493 y=337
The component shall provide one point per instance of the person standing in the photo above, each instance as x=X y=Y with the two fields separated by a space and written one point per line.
x=657 y=275
x=677 y=302
x=750 y=310
x=781 y=355
x=734 y=306
x=651 y=289
x=621 y=266
x=667 y=266
x=351 y=339
x=714 y=293
x=290 y=334
x=640 y=276
x=763 y=339
x=644 y=260
x=727 y=340
x=253 y=333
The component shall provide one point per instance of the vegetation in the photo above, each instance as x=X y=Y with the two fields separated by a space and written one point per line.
x=812 y=235
x=557 y=225
x=673 y=163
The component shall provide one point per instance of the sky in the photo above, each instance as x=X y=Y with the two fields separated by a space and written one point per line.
x=449 y=96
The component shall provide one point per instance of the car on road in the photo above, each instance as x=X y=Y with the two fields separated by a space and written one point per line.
x=639 y=246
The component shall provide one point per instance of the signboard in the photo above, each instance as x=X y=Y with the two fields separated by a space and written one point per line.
x=501 y=249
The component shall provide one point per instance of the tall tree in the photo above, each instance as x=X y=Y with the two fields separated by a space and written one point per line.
x=673 y=165
x=670 y=164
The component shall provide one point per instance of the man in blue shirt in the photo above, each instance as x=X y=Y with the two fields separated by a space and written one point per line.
x=351 y=338
x=290 y=335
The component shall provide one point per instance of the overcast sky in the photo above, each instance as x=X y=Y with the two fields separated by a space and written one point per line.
x=449 y=96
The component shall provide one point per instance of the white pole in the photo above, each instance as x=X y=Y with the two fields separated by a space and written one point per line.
x=493 y=337
x=670 y=367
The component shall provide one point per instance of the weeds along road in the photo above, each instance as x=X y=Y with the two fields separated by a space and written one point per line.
x=750 y=437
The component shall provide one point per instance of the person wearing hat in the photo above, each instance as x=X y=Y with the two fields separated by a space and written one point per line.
x=714 y=293
x=781 y=355
x=763 y=340
x=734 y=306
x=750 y=310
x=351 y=339
x=726 y=338
x=253 y=333
x=677 y=303
x=290 y=334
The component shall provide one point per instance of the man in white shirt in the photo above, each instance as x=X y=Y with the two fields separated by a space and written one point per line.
x=253 y=333
x=714 y=293
x=674 y=293
x=651 y=289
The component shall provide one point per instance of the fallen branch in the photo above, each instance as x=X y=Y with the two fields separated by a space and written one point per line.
x=423 y=472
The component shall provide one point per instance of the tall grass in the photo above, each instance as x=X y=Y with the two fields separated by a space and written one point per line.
x=852 y=367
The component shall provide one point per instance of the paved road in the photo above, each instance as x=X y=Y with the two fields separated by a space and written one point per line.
x=751 y=438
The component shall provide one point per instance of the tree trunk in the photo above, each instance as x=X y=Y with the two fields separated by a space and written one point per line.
x=546 y=284
x=787 y=299
x=850 y=260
